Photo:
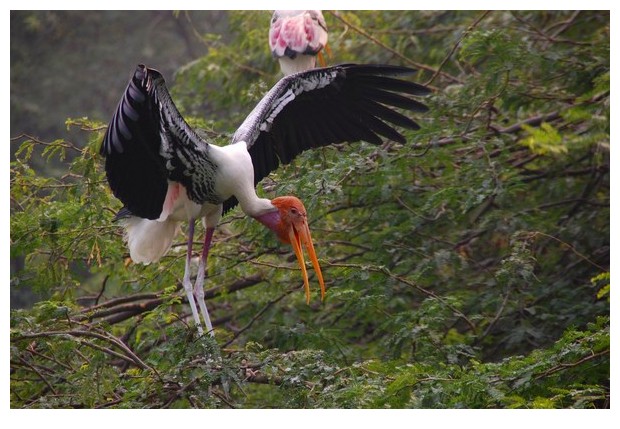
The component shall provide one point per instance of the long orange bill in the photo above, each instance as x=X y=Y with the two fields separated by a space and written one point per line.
x=298 y=238
x=314 y=260
x=321 y=57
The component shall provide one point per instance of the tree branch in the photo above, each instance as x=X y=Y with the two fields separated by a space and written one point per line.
x=393 y=51
x=456 y=45
x=77 y=333
x=563 y=366
x=38 y=373
x=408 y=282
x=256 y=316
x=534 y=121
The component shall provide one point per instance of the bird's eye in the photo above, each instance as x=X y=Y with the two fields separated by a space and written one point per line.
x=294 y=211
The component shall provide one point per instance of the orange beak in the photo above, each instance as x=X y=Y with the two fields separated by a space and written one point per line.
x=290 y=223
x=321 y=57
x=299 y=234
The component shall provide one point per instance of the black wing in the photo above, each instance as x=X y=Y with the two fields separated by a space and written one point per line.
x=345 y=103
x=148 y=143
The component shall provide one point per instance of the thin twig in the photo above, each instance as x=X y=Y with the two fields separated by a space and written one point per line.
x=36 y=371
x=256 y=317
x=564 y=366
x=223 y=399
x=122 y=300
x=56 y=361
x=548 y=39
x=456 y=45
x=534 y=121
x=107 y=351
x=415 y=213
x=65 y=144
x=386 y=271
x=134 y=308
x=565 y=244
x=110 y=403
x=389 y=49
x=264 y=379
x=177 y=393
x=105 y=281
x=564 y=24
x=496 y=318
x=76 y=333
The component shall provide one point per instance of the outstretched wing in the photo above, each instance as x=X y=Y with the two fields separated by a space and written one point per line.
x=345 y=103
x=148 y=143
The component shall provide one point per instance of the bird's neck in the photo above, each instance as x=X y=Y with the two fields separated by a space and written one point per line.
x=270 y=219
x=255 y=206
x=236 y=177
x=298 y=64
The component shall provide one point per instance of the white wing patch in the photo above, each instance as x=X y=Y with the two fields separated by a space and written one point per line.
x=305 y=84
x=287 y=97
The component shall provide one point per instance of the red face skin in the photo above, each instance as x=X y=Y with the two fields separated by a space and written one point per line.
x=290 y=223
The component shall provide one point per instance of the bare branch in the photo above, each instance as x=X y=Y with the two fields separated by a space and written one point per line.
x=456 y=45
x=77 y=333
x=36 y=371
x=389 y=49
x=385 y=271
x=256 y=316
x=563 y=366
x=534 y=121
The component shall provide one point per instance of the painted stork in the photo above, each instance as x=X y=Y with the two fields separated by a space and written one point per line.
x=164 y=173
x=296 y=38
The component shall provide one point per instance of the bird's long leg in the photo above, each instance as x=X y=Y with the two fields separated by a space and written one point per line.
x=200 y=281
x=200 y=297
x=187 y=283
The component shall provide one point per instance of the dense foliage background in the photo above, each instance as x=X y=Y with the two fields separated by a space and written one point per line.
x=466 y=269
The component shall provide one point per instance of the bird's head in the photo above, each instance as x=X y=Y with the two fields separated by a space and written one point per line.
x=290 y=223
x=298 y=32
